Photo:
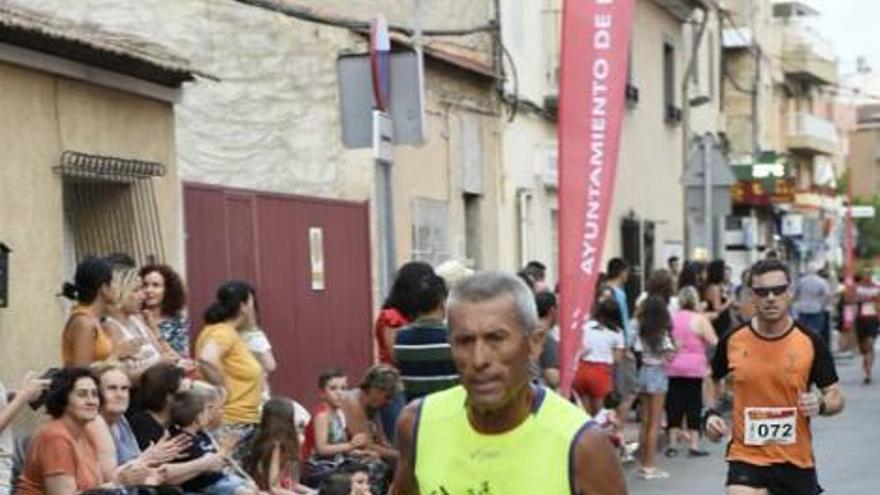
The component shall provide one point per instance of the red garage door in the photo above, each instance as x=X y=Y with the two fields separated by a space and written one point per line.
x=270 y=240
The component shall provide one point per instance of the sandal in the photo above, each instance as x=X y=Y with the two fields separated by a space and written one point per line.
x=671 y=452
x=697 y=453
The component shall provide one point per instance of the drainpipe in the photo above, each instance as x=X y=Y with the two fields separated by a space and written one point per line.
x=685 y=108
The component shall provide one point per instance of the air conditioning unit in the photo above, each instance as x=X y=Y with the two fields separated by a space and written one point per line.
x=550 y=166
x=673 y=114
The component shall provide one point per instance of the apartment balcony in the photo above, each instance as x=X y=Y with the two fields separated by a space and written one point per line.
x=807 y=57
x=809 y=134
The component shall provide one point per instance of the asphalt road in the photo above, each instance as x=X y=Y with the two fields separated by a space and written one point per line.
x=847 y=449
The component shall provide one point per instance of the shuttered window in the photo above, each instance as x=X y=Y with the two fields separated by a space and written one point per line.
x=110 y=206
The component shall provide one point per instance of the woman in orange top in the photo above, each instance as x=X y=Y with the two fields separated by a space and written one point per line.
x=61 y=459
x=84 y=340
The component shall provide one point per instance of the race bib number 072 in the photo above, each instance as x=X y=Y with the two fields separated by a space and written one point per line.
x=770 y=425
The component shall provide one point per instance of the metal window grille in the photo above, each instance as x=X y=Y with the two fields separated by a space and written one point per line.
x=110 y=205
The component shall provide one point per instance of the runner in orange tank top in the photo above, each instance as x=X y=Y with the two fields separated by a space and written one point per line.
x=772 y=364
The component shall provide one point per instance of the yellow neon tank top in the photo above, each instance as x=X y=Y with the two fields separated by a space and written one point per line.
x=451 y=458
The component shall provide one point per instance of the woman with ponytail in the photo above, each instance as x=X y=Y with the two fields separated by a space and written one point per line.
x=220 y=343
x=84 y=341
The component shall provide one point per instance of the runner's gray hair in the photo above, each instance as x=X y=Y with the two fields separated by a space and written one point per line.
x=485 y=286
x=689 y=298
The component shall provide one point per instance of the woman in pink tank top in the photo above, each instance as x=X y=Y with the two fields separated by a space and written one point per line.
x=693 y=334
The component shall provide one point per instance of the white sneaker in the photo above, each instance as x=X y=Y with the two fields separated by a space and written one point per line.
x=652 y=474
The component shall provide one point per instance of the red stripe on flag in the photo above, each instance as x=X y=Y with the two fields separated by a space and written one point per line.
x=595 y=47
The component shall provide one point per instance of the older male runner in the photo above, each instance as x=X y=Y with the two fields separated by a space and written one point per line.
x=497 y=433
x=772 y=363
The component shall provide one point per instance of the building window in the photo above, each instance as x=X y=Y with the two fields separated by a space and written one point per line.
x=430 y=230
x=524 y=199
x=671 y=113
x=110 y=207
x=471 y=152
x=473 y=230
x=551 y=14
x=632 y=91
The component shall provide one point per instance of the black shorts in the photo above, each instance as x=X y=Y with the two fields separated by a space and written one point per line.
x=867 y=327
x=778 y=479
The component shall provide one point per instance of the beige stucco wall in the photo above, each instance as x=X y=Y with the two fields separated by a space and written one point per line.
x=705 y=118
x=435 y=170
x=446 y=14
x=273 y=124
x=527 y=141
x=526 y=30
x=650 y=162
x=863 y=166
x=45 y=116
x=767 y=33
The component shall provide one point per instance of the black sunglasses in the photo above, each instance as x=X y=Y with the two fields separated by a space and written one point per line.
x=776 y=290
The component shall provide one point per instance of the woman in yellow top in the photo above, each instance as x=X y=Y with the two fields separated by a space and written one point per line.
x=84 y=340
x=220 y=344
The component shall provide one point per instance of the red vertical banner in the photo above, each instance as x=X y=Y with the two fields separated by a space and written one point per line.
x=595 y=47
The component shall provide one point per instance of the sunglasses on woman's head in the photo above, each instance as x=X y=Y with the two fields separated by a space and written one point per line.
x=776 y=290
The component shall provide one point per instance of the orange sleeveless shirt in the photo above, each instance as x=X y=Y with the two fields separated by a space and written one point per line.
x=102 y=346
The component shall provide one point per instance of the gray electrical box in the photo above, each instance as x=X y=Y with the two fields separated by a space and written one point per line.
x=356 y=99
x=706 y=153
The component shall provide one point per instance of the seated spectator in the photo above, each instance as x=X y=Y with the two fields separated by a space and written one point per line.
x=61 y=459
x=359 y=474
x=189 y=417
x=30 y=389
x=336 y=484
x=326 y=435
x=274 y=457
x=326 y=440
x=421 y=349
x=361 y=406
x=302 y=417
x=150 y=416
x=115 y=388
x=214 y=396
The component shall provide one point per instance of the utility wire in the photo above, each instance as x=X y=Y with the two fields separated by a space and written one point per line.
x=308 y=15
x=514 y=101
